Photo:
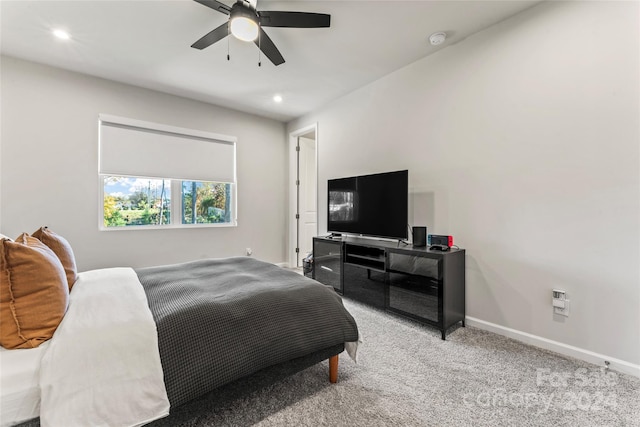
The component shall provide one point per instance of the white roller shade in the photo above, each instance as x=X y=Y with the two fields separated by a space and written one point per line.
x=134 y=148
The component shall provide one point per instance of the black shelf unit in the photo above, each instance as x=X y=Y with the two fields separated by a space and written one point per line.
x=418 y=283
x=365 y=256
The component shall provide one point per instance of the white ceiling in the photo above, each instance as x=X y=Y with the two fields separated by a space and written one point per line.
x=147 y=43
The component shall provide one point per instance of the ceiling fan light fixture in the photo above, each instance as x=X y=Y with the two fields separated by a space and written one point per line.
x=246 y=23
x=244 y=28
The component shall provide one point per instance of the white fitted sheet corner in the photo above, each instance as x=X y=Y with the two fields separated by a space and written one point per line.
x=20 y=384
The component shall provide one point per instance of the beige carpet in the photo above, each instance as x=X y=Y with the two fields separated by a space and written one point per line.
x=407 y=376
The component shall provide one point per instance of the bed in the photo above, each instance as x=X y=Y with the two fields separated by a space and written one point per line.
x=19 y=383
x=135 y=343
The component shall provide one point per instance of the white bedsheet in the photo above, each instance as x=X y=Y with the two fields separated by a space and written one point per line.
x=102 y=366
x=19 y=384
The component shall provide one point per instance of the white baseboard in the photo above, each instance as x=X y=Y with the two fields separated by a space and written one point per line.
x=283 y=264
x=558 y=347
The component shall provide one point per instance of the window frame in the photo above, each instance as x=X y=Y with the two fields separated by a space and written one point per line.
x=175 y=209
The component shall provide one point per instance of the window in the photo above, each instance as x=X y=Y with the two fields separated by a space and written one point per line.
x=156 y=176
x=136 y=201
x=205 y=202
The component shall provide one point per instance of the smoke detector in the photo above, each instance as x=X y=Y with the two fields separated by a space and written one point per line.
x=437 y=38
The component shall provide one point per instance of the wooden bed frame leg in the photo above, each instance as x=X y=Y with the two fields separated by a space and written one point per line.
x=333 y=369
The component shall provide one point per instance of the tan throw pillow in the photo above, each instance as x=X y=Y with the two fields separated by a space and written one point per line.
x=34 y=294
x=61 y=247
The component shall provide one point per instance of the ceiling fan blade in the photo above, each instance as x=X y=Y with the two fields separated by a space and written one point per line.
x=216 y=5
x=270 y=18
x=269 y=48
x=213 y=36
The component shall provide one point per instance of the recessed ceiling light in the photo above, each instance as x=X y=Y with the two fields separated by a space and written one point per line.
x=61 y=34
x=277 y=98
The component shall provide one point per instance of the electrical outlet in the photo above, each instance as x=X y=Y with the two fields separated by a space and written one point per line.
x=562 y=311
x=560 y=302
x=249 y=251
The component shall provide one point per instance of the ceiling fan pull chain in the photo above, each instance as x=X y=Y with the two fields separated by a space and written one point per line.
x=228 y=33
x=259 y=50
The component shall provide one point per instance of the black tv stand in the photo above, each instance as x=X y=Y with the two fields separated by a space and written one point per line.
x=416 y=282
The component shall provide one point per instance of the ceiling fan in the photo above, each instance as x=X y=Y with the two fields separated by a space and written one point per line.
x=245 y=23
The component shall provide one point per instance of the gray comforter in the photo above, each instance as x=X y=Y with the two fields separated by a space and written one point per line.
x=222 y=319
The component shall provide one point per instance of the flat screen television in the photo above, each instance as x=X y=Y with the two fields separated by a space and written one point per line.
x=373 y=205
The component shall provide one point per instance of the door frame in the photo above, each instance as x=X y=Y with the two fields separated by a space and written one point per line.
x=292 y=229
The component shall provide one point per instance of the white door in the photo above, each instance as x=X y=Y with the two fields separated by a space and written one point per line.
x=307 y=200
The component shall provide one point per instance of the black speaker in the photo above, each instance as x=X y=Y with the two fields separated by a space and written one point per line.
x=419 y=236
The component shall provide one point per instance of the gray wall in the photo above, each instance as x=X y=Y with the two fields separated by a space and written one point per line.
x=49 y=168
x=521 y=141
